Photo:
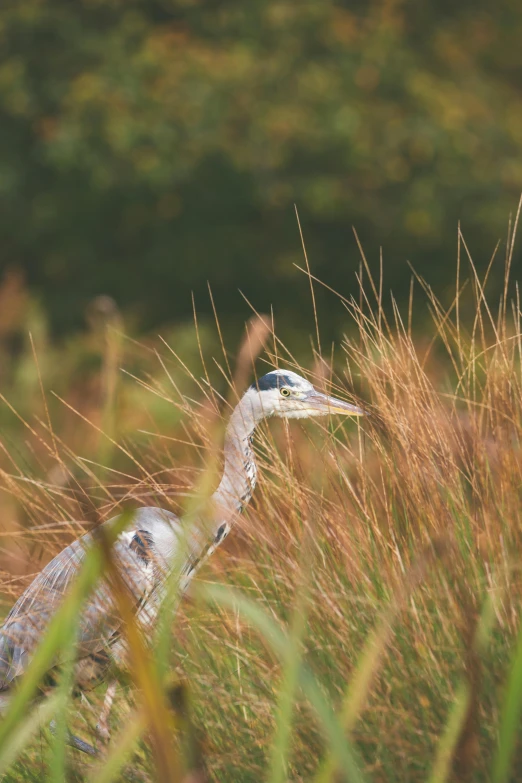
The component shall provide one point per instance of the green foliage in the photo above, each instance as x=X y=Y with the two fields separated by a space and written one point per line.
x=149 y=147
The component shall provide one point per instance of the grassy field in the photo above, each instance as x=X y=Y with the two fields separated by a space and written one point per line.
x=362 y=621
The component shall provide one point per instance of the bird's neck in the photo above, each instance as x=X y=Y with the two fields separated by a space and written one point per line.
x=235 y=488
x=240 y=469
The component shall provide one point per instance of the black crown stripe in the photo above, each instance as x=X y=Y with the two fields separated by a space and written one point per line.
x=273 y=380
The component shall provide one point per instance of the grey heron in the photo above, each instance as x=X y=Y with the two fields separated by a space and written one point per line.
x=146 y=550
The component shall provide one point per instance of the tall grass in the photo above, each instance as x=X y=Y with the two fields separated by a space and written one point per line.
x=362 y=622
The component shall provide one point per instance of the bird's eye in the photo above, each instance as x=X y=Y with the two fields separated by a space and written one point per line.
x=285 y=392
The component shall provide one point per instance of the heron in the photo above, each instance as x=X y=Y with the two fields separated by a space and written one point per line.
x=146 y=551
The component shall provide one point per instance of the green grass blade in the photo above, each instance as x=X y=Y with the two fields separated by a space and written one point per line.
x=441 y=770
x=442 y=766
x=509 y=727
x=57 y=765
x=121 y=748
x=341 y=748
x=372 y=653
x=25 y=729
x=289 y=684
x=360 y=684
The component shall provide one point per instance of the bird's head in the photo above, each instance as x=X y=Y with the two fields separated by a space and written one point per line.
x=286 y=394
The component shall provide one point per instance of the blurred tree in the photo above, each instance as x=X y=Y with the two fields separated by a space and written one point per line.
x=147 y=147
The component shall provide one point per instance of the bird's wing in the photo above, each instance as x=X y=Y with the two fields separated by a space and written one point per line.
x=136 y=553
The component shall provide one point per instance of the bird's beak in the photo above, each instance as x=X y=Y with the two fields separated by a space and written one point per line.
x=324 y=404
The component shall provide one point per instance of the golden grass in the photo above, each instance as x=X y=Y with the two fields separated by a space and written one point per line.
x=387 y=549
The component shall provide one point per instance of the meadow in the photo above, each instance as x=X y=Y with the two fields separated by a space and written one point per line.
x=362 y=620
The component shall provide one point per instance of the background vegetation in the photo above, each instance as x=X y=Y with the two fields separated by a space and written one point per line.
x=149 y=146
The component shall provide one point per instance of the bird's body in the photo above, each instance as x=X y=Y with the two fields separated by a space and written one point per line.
x=147 y=550
x=139 y=555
